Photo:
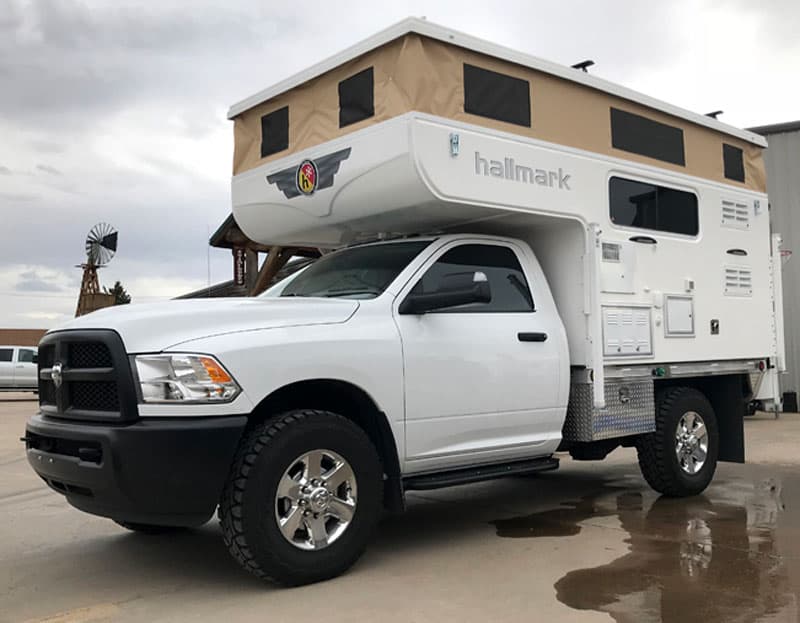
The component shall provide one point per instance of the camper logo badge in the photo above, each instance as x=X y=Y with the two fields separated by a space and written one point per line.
x=307 y=177
x=310 y=176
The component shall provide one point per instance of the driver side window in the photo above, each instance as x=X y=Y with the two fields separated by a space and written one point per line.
x=510 y=291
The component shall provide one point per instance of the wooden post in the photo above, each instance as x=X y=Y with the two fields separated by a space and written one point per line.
x=251 y=269
x=276 y=259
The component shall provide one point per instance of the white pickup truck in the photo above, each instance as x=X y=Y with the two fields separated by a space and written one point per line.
x=517 y=295
x=18 y=369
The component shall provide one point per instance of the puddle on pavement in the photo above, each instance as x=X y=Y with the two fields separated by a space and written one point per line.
x=709 y=558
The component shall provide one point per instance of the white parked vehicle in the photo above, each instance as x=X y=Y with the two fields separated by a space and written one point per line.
x=18 y=372
x=531 y=260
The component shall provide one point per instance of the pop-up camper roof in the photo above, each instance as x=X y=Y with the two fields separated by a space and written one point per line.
x=422 y=67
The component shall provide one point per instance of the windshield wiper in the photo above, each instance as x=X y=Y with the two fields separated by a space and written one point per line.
x=349 y=292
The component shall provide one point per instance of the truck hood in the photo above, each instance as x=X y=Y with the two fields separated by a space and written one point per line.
x=157 y=326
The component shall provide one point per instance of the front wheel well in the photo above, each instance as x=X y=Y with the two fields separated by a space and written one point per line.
x=349 y=401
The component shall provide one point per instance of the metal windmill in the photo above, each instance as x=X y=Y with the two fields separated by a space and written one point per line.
x=101 y=245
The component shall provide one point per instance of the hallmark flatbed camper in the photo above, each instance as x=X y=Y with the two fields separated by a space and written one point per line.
x=530 y=260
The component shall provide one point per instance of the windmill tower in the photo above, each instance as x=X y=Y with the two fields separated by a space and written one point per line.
x=101 y=244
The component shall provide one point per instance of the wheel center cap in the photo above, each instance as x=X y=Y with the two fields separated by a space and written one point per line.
x=319 y=499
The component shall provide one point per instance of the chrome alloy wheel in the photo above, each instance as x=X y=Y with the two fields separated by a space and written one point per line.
x=316 y=499
x=691 y=442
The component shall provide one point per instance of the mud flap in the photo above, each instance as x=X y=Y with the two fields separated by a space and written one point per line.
x=726 y=394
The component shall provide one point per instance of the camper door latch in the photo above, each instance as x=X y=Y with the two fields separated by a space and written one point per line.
x=454 y=144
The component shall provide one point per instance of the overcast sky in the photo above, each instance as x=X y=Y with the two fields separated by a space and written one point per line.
x=114 y=110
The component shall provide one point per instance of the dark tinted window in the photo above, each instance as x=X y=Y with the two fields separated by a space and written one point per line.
x=636 y=204
x=359 y=272
x=25 y=355
x=510 y=292
x=733 y=161
x=356 y=98
x=640 y=135
x=497 y=96
x=6 y=354
x=275 y=132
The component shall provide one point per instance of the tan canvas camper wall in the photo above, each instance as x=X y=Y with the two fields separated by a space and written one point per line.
x=418 y=66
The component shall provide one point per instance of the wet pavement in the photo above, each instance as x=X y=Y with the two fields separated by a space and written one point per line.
x=720 y=557
x=590 y=542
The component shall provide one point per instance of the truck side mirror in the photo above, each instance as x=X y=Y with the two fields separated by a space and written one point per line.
x=35 y=358
x=453 y=292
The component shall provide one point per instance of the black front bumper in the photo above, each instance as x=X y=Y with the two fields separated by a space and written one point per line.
x=156 y=471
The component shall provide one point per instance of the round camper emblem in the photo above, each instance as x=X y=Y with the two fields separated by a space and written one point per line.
x=307 y=177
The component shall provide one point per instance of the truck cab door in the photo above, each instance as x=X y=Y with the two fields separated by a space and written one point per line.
x=25 y=370
x=6 y=367
x=482 y=381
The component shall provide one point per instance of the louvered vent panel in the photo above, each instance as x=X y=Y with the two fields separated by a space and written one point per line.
x=735 y=214
x=738 y=281
x=627 y=331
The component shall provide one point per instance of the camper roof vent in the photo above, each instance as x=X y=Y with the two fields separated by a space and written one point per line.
x=735 y=214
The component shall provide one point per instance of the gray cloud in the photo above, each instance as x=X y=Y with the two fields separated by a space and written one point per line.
x=14 y=198
x=100 y=91
x=47 y=147
x=48 y=169
x=32 y=282
x=69 y=58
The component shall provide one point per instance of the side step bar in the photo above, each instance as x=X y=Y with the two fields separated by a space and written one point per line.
x=478 y=474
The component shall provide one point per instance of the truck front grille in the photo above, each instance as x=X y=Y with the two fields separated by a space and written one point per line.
x=94 y=395
x=86 y=375
x=89 y=355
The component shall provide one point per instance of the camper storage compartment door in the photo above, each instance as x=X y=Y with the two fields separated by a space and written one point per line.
x=627 y=331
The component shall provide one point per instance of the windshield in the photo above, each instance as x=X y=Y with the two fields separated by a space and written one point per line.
x=360 y=272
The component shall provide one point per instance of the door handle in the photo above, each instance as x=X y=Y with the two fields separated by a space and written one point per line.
x=643 y=239
x=20 y=366
x=532 y=337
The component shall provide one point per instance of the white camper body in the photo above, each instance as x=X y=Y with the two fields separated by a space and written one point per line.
x=701 y=303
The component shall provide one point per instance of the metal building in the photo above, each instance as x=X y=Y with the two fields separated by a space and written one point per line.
x=782 y=160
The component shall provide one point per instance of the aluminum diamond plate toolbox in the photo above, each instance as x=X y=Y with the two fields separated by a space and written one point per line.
x=629 y=410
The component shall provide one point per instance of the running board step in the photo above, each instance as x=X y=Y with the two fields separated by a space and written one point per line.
x=478 y=474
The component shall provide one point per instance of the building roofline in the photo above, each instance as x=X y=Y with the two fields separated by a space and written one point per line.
x=777 y=128
x=454 y=37
x=217 y=239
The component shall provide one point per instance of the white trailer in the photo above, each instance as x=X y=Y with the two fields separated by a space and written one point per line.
x=531 y=259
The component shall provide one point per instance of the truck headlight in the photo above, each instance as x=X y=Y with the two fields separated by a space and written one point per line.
x=184 y=378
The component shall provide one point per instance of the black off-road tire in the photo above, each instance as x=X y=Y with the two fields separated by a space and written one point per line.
x=657 y=458
x=247 y=507
x=147 y=528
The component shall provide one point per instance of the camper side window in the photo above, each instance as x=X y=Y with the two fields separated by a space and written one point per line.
x=510 y=291
x=648 y=206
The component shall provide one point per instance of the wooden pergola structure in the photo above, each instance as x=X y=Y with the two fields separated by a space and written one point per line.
x=246 y=270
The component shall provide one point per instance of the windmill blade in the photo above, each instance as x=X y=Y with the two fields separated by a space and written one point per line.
x=109 y=242
x=101 y=244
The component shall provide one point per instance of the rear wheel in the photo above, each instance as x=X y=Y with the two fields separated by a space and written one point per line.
x=679 y=459
x=303 y=497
